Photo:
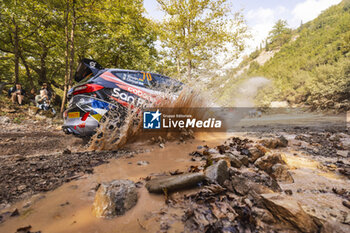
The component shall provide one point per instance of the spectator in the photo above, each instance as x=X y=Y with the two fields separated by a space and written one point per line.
x=17 y=94
x=43 y=99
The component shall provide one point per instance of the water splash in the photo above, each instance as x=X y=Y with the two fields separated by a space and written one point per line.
x=124 y=123
x=248 y=90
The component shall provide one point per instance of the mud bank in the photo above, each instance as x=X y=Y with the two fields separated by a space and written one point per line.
x=68 y=208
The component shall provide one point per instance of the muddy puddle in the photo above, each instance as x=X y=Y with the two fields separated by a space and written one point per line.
x=69 y=207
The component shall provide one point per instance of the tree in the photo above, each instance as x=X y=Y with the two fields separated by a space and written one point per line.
x=42 y=41
x=13 y=31
x=67 y=43
x=280 y=33
x=195 y=32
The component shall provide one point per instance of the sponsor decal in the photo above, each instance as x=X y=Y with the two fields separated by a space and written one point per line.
x=97 y=117
x=82 y=125
x=73 y=114
x=128 y=97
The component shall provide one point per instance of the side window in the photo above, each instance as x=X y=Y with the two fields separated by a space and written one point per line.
x=135 y=78
x=138 y=78
x=146 y=78
x=121 y=75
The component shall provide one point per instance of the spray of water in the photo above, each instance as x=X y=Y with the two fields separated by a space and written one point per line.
x=124 y=123
x=247 y=91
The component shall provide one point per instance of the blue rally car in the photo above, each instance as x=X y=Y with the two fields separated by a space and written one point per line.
x=99 y=90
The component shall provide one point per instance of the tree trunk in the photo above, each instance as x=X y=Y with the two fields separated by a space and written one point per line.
x=66 y=77
x=72 y=51
x=29 y=76
x=43 y=70
x=178 y=65
x=189 y=69
x=16 y=51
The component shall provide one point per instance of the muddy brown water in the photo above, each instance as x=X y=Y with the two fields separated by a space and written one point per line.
x=68 y=208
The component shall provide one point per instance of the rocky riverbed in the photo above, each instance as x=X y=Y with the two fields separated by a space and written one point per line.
x=295 y=180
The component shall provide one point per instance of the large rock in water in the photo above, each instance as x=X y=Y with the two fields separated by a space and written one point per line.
x=275 y=142
x=255 y=153
x=288 y=210
x=114 y=198
x=172 y=183
x=280 y=173
x=217 y=172
x=266 y=162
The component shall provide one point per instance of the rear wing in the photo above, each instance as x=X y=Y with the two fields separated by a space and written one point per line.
x=86 y=68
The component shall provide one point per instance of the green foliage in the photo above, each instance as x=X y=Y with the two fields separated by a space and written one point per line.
x=253 y=67
x=313 y=69
x=280 y=34
x=115 y=33
x=311 y=65
x=254 y=54
x=196 y=31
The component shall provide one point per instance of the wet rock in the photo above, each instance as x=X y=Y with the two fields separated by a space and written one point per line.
x=161 y=140
x=142 y=163
x=21 y=187
x=217 y=172
x=343 y=153
x=196 y=153
x=288 y=192
x=26 y=230
x=242 y=186
x=217 y=157
x=211 y=151
x=275 y=142
x=264 y=215
x=244 y=160
x=223 y=148
x=15 y=213
x=234 y=161
x=264 y=179
x=115 y=198
x=346 y=219
x=172 y=183
x=66 y=152
x=266 y=162
x=345 y=170
x=65 y=204
x=289 y=211
x=346 y=204
x=255 y=153
x=280 y=173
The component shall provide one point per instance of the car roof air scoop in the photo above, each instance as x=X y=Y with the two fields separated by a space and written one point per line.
x=86 y=67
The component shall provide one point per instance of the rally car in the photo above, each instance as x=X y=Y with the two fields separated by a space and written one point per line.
x=101 y=90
